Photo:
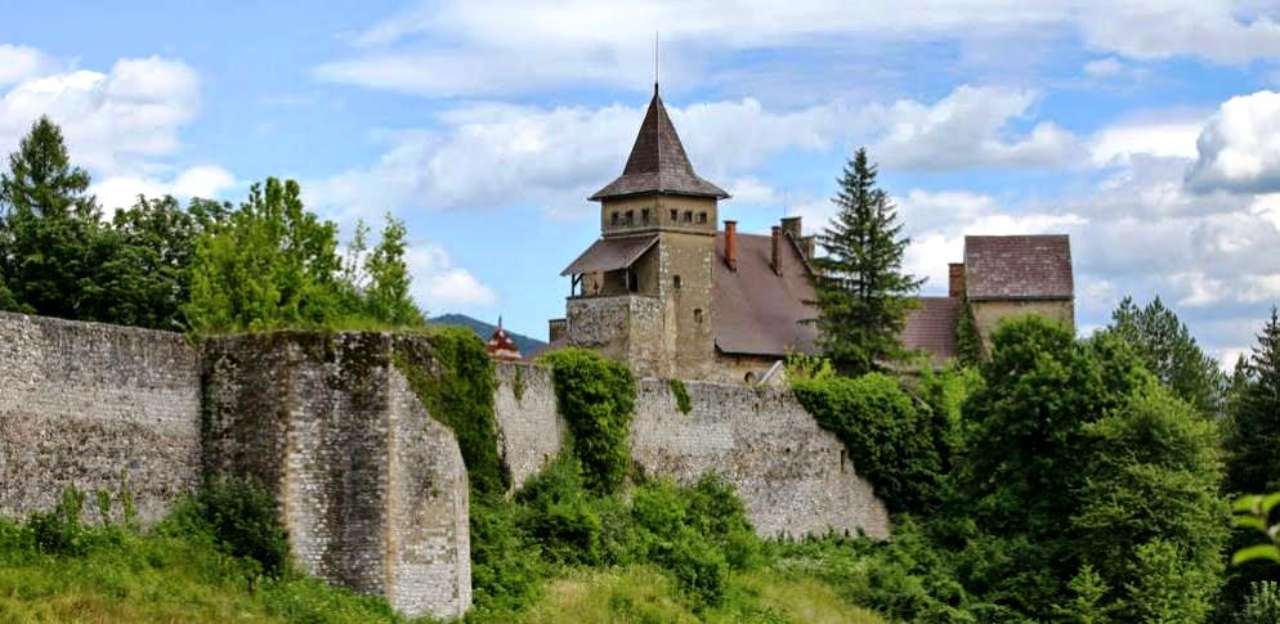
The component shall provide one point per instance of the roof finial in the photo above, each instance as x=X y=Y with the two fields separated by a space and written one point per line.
x=655 y=63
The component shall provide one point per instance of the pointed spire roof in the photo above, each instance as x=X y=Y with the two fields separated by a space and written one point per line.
x=658 y=163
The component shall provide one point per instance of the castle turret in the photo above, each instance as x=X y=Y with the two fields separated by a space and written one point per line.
x=643 y=291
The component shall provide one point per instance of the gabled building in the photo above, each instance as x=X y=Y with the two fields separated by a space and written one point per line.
x=667 y=291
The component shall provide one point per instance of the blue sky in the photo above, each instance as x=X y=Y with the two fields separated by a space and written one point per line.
x=1151 y=134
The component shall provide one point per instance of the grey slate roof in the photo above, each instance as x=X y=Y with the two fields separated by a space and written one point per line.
x=755 y=311
x=658 y=162
x=1018 y=267
x=931 y=326
x=608 y=254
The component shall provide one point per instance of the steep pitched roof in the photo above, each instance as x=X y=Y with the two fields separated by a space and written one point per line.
x=757 y=312
x=931 y=326
x=1018 y=267
x=658 y=162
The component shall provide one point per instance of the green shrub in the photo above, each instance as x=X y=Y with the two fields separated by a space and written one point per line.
x=891 y=442
x=683 y=403
x=453 y=377
x=1261 y=604
x=59 y=531
x=596 y=397
x=241 y=517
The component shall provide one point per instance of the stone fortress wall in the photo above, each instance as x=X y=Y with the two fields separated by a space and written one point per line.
x=372 y=490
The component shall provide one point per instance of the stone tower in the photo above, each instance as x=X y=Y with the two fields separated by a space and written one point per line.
x=642 y=293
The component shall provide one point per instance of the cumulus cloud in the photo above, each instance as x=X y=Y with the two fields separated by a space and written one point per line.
x=120 y=191
x=438 y=284
x=1239 y=149
x=21 y=62
x=1118 y=143
x=969 y=128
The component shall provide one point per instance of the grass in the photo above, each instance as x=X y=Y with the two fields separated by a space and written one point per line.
x=644 y=595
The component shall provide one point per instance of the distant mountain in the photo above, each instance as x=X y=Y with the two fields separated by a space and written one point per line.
x=526 y=344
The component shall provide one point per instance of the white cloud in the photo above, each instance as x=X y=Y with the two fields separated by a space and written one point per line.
x=969 y=128
x=18 y=63
x=1239 y=149
x=439 y=285
x=120 y=191
x=1104 y=67
x=456 y=48
x=1118 y=143
x=112 y=121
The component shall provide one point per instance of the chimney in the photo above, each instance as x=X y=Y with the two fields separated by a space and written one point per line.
x=777 y=250
x=955 y=281
x=791 y=225
x=731 y=244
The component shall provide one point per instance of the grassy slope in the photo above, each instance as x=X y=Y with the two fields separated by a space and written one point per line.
x=165 y=579
x=642 y=595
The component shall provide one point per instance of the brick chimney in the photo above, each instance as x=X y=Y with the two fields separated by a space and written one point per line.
x=791 y=225
x=955 y=279
x=777 y=250
x=731 y=244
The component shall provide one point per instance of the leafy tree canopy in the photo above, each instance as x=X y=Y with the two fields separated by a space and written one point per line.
x=1170 y=352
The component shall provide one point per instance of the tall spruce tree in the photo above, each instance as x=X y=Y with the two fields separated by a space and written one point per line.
x=862 y=294
x=1252 y=445
x=1170 y=352
x=53 y=251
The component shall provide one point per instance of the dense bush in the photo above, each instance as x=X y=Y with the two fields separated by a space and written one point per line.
x=1261 y=604
x=596 y=397
x=892 y=442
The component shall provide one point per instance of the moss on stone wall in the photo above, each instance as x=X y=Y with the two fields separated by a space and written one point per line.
x=449 y=370
x=682 y=395
x=597 y=399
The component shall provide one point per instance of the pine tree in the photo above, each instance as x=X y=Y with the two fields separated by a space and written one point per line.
x=1170 y=352
x=862 y=294
x=53 y=251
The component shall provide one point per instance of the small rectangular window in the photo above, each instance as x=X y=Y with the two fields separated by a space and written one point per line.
x=631 y=217
x=614 y=220
x=688 y=216
x=644 y=216
x=702 y=217
x=675 y=215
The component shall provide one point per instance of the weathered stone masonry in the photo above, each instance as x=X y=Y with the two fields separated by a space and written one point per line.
x=794 y=477
x=96 y=406
x=372 y=490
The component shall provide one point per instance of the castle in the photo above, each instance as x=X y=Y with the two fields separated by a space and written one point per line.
x=666 y=291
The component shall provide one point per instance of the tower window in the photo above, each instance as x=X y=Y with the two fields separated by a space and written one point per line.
x=688 y=216
x=675 y=215
x=697 y=315
x=631 y=217
x=675 y=282
x=614 y=219
x=644 y=216
x=702 y=217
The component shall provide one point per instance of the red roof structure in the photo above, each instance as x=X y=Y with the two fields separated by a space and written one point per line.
x=501 y=346
x=1018 y=267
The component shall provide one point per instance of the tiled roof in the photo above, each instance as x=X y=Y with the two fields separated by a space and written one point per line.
x=757 y=312
x=608 y=254
x=1018 y=267
x=658 y=162
x=931 y=326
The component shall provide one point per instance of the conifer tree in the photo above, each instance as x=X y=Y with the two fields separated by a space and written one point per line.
x=1170 y=352
x=52 y=248
x=1253 y=437
x=862 y=294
